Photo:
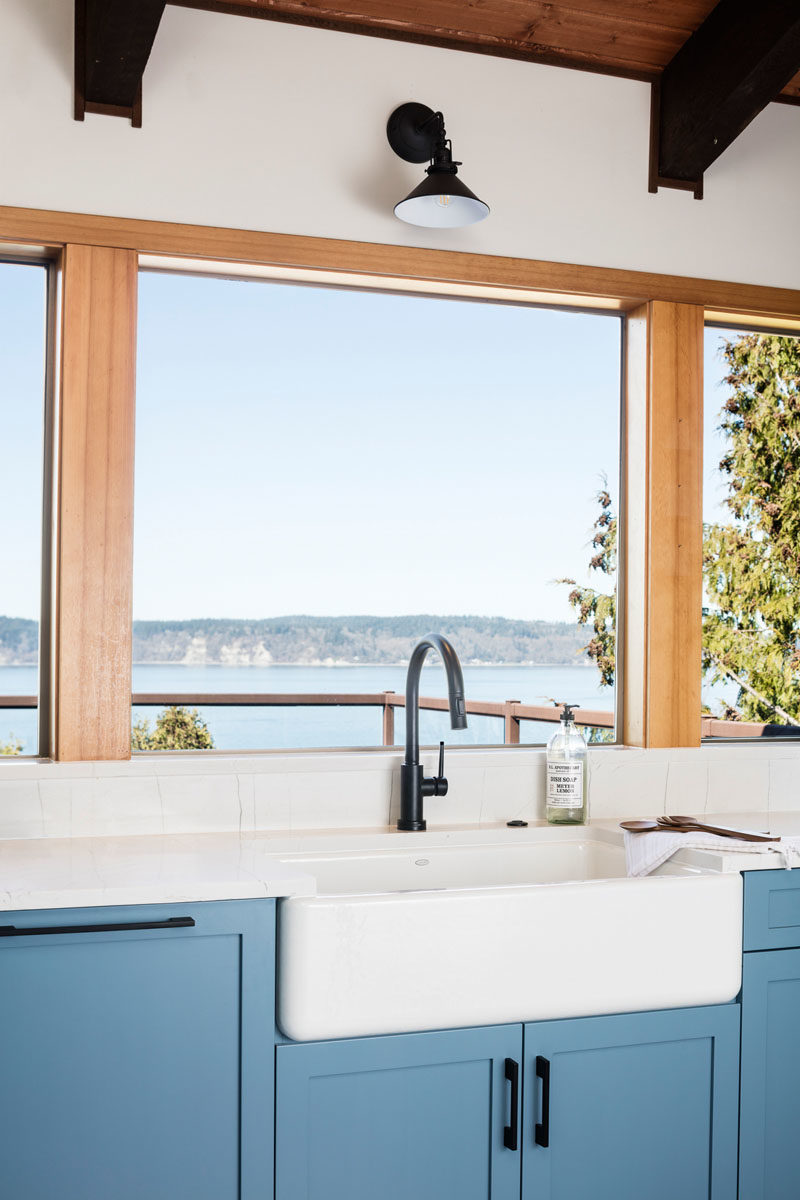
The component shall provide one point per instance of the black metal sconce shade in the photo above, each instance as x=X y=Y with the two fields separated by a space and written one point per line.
x=417 y=133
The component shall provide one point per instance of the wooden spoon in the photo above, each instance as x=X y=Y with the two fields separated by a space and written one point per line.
x=649 y=827
x=685 y=824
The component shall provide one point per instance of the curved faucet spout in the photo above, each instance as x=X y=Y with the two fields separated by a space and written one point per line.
x=414 y=786
x=455 y=690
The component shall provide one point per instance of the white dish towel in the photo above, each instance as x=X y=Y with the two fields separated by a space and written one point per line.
x=646 y=851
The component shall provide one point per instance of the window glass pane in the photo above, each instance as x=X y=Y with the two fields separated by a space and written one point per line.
x=309 y=455
x=23 y=307
x=751 y=513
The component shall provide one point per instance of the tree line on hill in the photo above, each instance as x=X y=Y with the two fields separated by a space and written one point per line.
x=307 y=640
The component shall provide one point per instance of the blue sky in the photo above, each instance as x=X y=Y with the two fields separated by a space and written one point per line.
x=22 y=344
x=311 y=450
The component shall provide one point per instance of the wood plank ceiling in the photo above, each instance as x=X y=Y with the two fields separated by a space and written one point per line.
x=631 y=38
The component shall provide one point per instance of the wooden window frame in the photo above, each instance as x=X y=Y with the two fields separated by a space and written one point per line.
x=38 y=256
x=661 y=541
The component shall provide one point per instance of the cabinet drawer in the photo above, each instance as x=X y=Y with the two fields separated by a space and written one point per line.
x=771 y=910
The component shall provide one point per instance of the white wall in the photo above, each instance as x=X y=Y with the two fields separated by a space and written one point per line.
x=259 y=125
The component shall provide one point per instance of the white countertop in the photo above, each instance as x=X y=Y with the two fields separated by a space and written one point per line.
x=155 y=869
x=41 y=873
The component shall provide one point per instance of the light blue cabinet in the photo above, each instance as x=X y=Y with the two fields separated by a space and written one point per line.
x=422 y=1116
x=770 y=1056
x=770 y=1108
x=771 y=910
x=614 y=1108
x=136 y=1062
x=621 y=1107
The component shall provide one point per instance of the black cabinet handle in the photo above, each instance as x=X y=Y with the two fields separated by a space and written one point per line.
x=541 y=1132
x=510 y=1133
x=37 y=930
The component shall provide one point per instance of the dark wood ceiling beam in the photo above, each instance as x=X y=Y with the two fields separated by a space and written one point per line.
x=739 y=59
x=113 y=40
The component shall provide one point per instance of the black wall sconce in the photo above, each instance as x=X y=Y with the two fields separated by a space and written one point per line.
x=441 y=201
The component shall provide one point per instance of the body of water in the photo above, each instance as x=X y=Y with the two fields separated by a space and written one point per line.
x=303 y=728
x=270 y=728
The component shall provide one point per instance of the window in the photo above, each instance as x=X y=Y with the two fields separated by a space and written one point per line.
x=751 y=513
x=325 y=474
x=23 y=324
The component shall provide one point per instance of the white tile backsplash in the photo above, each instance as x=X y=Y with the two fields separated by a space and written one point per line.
x=357 y=800
x=513 y=794
x=246 y=794
x=784 y=785
x=627 y=782
x=107 y=806
x=20 y=810
x=195 y=803
x=188 y=793
x=687 y=788
x=271 y=799
x=738 y=786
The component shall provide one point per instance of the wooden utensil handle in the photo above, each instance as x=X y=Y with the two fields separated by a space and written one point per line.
x=744 y=835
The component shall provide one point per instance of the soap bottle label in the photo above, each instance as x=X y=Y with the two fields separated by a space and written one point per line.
x=565 y=784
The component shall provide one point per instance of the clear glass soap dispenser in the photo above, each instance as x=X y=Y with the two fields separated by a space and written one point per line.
x=567 y=799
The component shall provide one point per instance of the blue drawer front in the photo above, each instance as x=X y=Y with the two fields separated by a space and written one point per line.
x=771 y=910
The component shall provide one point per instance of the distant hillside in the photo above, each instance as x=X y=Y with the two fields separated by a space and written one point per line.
x=327 y=640
x=19 y=642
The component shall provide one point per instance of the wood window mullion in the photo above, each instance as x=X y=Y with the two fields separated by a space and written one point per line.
x=663 y=539
x=94 y=507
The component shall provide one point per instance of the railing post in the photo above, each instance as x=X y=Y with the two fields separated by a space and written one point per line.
x=510 y=723
x=388 y=720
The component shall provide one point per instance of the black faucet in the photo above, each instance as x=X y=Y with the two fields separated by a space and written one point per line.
x=413 y=784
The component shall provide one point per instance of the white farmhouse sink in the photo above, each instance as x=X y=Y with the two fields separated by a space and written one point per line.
x=547 y=926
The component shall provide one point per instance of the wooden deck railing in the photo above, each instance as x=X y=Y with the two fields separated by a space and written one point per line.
x=713 y=727
x=512 y=712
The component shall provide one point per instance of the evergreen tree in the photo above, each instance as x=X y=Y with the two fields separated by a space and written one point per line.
x=751 y=627
x=751 y=566
x=600 y=608
x=177 y=728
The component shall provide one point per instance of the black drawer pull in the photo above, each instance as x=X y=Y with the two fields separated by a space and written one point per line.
x=37 y=930
x=510 y=1133
x=541 y=1133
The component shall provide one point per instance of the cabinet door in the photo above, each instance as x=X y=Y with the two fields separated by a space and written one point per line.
x=636 y=1105
x=770 y=1100
x=136 y=1064
x=419 y=1116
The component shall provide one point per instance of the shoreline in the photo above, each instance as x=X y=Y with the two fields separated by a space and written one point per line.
x=325 y=664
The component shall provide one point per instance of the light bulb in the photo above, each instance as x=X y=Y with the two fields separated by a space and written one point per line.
x=443 y=201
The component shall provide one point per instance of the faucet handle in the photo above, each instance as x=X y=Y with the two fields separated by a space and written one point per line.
x=434 y=785
x=440 y=783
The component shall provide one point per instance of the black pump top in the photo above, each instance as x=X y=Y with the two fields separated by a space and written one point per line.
x=568 y=714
